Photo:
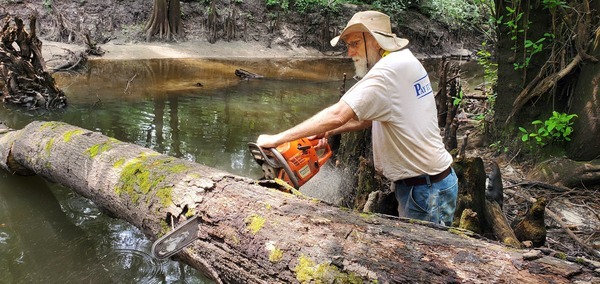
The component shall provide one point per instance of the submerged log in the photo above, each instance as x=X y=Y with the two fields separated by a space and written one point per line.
x=247 y=75
x=252 y=234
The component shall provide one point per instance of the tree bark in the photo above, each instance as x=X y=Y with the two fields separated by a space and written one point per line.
x=165 y=20
x=251 y=234
x=584 y=145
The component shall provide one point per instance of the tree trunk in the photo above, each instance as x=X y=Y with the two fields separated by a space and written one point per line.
x=359 y=178
x=251 y=234
x=165 y=20
x=584 y=145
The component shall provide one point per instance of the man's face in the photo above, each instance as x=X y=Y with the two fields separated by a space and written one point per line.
x=355 y=42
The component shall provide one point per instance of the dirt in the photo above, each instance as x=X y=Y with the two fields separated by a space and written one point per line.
x=118 y=29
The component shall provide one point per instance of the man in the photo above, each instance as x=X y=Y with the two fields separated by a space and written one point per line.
x=394 y=98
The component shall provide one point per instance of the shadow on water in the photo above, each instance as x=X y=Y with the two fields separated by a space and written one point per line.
x=192 y=109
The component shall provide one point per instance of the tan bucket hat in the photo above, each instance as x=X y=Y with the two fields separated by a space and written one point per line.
x=378 y=25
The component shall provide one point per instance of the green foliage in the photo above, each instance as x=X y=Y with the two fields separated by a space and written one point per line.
x=461 y=14
x=531 y=48
x=490 y=68
x=284 y=5
x=513 y=23
x=516 y=24
x=498 y=147
x=553 y=4
x=556 y=128
x=307 y=6
x=457 y=101
x=392 y=8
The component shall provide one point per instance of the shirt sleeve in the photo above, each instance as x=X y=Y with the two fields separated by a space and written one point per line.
x=368 y=98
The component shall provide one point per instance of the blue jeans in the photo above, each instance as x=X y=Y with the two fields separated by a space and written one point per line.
x=434 y=203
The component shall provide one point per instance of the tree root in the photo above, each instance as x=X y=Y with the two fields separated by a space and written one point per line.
x=542 y=87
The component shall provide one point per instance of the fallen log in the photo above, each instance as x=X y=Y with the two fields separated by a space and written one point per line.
x=252 y=234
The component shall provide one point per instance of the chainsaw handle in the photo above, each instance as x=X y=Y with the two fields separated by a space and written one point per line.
x=325 y=157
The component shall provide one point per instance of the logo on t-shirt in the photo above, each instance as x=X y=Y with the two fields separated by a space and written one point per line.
x=423 y=87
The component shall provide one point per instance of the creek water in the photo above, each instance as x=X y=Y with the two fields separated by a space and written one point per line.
x=192 y=109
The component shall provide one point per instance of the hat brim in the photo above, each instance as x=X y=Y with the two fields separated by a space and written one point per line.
x=386 y=41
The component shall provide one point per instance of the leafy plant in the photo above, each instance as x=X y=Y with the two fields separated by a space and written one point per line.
x=513 y=22
x=556 y=128
x=498 y=147
x=307 y=6
x=490 y=68
x=458 y=99
x=392 y=8
x=552 y=4
x=532 y=48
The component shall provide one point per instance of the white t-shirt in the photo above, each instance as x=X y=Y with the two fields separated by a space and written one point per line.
x=397 y=96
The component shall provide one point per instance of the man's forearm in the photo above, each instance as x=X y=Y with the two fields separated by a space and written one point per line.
x=330 y=118
x=321 y=122
x=351 y=125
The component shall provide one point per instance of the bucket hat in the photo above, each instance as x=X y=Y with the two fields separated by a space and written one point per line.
x=378 y=25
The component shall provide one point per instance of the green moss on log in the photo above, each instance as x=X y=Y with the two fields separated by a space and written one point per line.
x=49 y=145
x=143 y=177
x=255 y=223
x=275 y=255
x=100 y=148
x=69 y=134
x=307 y=271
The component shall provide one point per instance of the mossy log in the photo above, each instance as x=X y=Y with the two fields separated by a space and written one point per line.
x=252 y=234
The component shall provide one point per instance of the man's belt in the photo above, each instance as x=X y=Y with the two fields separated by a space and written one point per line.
x=421 y=180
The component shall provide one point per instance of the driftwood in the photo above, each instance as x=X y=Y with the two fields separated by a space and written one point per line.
x=252 y=234
x=246 y=75
x=26 y=80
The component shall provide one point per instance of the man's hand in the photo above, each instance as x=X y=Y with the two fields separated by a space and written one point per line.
x=322 y=140
x=268 y=141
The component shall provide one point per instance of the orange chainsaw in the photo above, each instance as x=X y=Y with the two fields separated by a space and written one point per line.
x=294 y=162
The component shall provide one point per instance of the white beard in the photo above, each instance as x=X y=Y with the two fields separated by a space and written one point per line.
x=360 y=67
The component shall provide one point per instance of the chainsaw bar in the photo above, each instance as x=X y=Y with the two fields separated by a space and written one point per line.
x=176 y=240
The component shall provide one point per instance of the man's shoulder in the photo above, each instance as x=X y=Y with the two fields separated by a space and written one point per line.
x=403 y=55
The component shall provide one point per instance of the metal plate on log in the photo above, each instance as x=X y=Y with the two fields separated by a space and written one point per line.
x=176 y=240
